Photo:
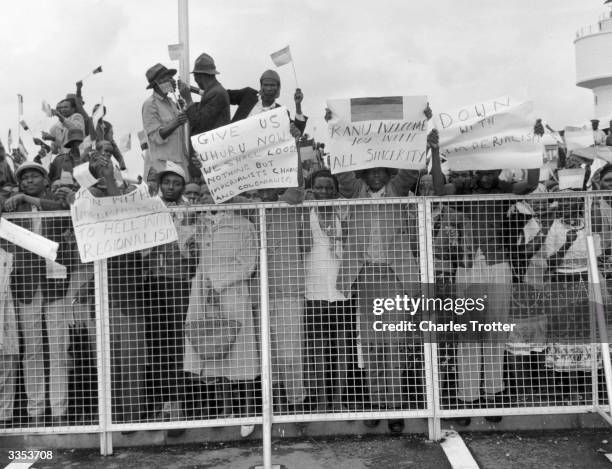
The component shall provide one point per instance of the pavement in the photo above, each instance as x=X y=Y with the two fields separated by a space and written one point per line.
x=558 y=449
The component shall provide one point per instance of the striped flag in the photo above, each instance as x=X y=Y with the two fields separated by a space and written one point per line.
x=97 y=70
x=281 y=57
x=20 y=104
x=175 y=51
x=385 y=108
x=24 y=125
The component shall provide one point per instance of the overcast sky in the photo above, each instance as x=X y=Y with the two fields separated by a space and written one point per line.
x=454 y=51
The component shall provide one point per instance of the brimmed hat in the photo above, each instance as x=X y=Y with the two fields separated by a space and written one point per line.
x=30 y=165
x=156 y=72
x=205 y=64
x=170 y=167
x=74 y=135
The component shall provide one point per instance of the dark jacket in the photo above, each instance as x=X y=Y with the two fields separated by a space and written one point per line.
x=211 y=112
x=246 y=99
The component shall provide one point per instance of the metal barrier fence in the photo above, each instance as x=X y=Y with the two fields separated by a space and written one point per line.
x=269 y=313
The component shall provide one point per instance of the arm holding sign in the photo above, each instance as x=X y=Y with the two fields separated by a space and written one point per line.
x=300 y=119
x=439 y=181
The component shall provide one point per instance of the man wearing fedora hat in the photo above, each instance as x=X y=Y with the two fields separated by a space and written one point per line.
x=67 y=160
x=213 y=110
x=163 y=122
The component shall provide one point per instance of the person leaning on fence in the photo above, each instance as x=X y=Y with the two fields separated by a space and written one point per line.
x=328 y=315
x=163 y=121
x=126 y=309
x=221 y=340
x=33 y=292
x=170 y=268
x=382 y=264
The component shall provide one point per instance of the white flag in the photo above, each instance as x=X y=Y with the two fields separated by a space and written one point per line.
x=46 y=108
x=175 y=51
x=125 y=143
x=98 y=114
x=281 y=57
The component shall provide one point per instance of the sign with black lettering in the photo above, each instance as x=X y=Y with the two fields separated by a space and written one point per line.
x=254 y=153
x=388 y=131
x=109 y=226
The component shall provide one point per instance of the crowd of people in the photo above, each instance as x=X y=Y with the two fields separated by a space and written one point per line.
x=184 y=316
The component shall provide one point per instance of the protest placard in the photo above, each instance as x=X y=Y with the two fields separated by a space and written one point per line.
x=578 y=137
x=370 y=132
x=254 y=153
x=28 y=240
x=109 y=226
x=503 y=139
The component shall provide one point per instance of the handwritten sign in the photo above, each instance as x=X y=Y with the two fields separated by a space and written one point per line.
x=371 y=132
x=254 y=153
x=503 y=139
x=468 y=115
x=578 y=137
x=109 y=226
x=28 y=240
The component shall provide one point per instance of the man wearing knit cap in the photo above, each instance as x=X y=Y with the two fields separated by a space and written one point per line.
x=213 y=109
x=251 y=102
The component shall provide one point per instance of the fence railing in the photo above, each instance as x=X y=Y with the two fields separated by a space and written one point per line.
x=270 y=313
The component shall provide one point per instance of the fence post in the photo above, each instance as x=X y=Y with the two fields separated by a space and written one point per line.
x=266 y=375
x=430 y=350
x=103 y=356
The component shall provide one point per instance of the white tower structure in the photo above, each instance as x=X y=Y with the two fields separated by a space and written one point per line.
x=593 y=45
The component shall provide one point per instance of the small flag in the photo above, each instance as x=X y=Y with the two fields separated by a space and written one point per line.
x=125 y=143
x=98 y=114
x=175 y=51
x=385 y=108
x=46 y=108
x=10 y=139
x=24 y=125
x=97 y=70
x=22 y=148
x=281 y=57
x=20 y=104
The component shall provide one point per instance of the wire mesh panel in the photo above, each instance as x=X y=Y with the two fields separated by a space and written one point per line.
x=340 y=278
x=184 y=326
x=531 y=345
x=48 y=333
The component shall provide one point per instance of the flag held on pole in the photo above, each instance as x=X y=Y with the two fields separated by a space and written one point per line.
x=281 y=57
x=22 y=148
x=10 y=139
x=46 y=108
x=24 y=125
x=175 y=51
x=98 y=69
x=20 y=104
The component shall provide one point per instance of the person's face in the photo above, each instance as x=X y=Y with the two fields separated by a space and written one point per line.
x=192 y=194
x=324 y=188
x=206 y=197
x=426 y=188
x=166 y=85
x=269 y=90
x=65 y=108
x=487 y=179
x=32 y=182
x=605 y=183
x=594 y=125
x=172 y=186
x=268 y=195
x=377 y=178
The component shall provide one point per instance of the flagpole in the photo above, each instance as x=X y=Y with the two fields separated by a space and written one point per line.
x=19 y=105
x=183 y=30
x=294 y=74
